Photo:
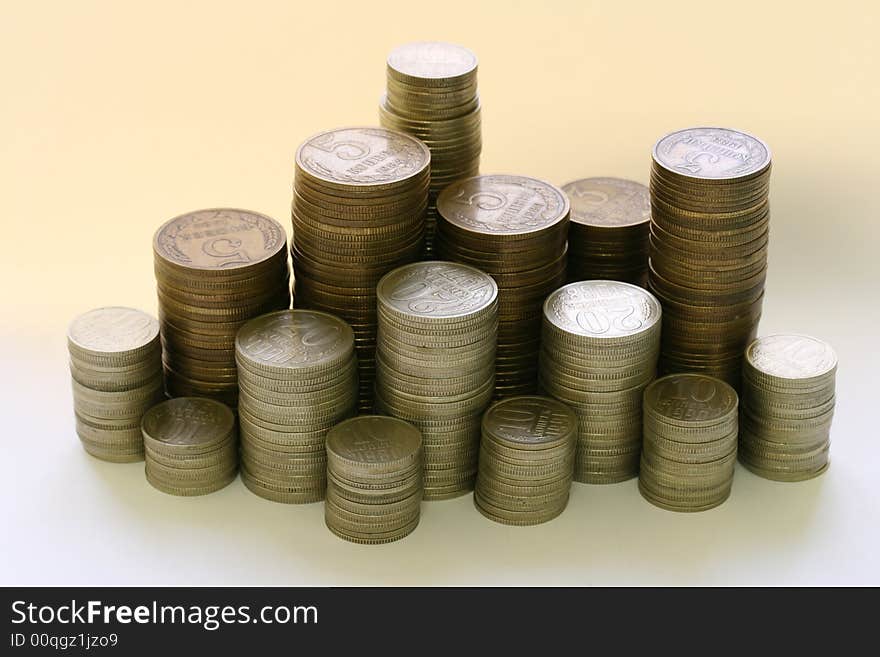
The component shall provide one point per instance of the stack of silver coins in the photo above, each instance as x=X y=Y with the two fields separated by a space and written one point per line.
x=787 y=407
x=689 y=451
x=435 y=364
x=116 y=372
x=297 y=377
x=599 y=351
x=374 y=479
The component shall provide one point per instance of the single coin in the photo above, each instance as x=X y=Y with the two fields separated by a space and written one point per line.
x=113 y=333
x=187 y=425
x=712 y=153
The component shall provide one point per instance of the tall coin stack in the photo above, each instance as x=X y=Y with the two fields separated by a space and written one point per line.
x=432 y=94
x=787 y=407
x=513 y=228
x=297 y=377
x=215 y=269
x=709 y=234
x=359 y=202
x=599 y=351
x=435 y=362
x=526 y=460
x=374 y=479
x=116 y=372
x=608 y=232
x=689 y=451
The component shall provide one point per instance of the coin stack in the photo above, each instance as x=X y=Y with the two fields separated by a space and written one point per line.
x=435 y=364
x=358 y=210
x=297 y=377
x=599 y=352
x=432 y=94
x=116 y=372
x=709 y=232
x=513 y=228
x=689 y=450
x=191 y=447
x=215 y=269
x=787 y=407
x=526 y=460
x=374 y=479
x=608 y=233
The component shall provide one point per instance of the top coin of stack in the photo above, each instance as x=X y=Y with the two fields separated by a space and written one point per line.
x=432 y=94
x=709 y=232
x=358 y=212
x=215 y=269
x=608 y=232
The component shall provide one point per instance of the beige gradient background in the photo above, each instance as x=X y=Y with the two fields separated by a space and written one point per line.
x=116 y=116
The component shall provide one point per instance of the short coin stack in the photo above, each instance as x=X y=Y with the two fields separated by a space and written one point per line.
x=297 y=377
x=359 y=202
x=526 y=460
x=513 y=228
x=599 y=352
x=116 y=368
x=432 y=94
x=436 y=364
x=190 y=445
x=689 y=451
x=608 y=232
x=787 y=407
x=709 y=234
x=374 y=479
x=215 y=269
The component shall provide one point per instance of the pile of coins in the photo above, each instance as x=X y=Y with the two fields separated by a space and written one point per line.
x=191 y=447
x=599 y=352
x=116 y=372
x=374 y=479
x=787 y=407
x=297 y=377
x=608 y=233
x=513 y=228
x=215 y=269
x=689 y=451
x=359 y=202
x=432 y=94
x=526 y=460
x=435 y=364
x=709 y=234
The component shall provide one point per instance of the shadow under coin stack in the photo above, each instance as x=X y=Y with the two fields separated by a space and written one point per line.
x=599 y=351
x=689 y=451
x=431 y=94
x=608 y=232
x=297 y=377
x=374 y=479
x=787 y=407
x=215 y=269
x=435 y=364
x=116 y=372
x=526 y=460
x=191 y=446
x=513 y=228
x=358 y=211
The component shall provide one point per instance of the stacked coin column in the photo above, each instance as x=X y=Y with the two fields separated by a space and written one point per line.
x=600 y=346
x=432 y=94
x=435 y=363
x=359 y=202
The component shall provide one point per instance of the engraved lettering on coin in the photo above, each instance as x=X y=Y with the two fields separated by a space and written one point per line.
x=792 y=356
x=188 y=421
x=113 y=329
x=437 y=289
x=608 y=202
x=373 y=439
x=712 y=153
x=291 y=338
x=530 y=420
x=602 y=309
x=691 y=397
x=432 y=59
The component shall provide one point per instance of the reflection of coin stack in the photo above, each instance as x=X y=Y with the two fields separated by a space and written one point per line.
x=600 y=345
x=787 y=407
x=432 y=94
x=513 y=228
x=215 y=269
x=297 y=377
x=116 y=368
x=435 y=362
x=709 y=232
x=359 y=203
